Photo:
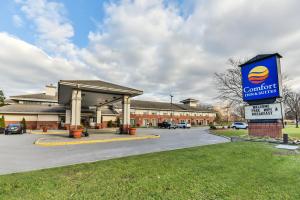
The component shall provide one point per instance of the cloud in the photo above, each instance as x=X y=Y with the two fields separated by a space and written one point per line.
x=157 y=46
x=54 y=31
x=17 y=20
x=24 y=67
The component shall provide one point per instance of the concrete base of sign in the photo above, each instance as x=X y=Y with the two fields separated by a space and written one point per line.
x=266 y=129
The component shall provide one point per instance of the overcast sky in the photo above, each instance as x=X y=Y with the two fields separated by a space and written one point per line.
x=160 y=47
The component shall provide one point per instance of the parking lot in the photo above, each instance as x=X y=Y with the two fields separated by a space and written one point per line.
x=18 y=153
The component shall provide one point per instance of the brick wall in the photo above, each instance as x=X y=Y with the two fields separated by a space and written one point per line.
x=195 y=120
x=273 y=130
x=36 y=125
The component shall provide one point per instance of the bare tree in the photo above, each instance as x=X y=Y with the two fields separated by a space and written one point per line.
x=292 y=104
x=229 y=85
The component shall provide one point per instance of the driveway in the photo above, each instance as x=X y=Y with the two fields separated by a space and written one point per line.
x=18 y=153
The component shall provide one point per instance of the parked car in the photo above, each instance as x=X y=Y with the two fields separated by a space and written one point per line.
x=184 y=125
x=2 y=130
x=168 y=125
x=239 y=125
x=14 y=129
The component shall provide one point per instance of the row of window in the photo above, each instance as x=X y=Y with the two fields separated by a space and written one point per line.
x=176 y=114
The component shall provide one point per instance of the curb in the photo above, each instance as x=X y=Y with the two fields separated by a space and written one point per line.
x=48 y=144
x=48 y=133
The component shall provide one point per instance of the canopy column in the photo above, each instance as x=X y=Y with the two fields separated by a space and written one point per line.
x=126 y=114
x=76 y=108
x=98 y=117
x=68 y=119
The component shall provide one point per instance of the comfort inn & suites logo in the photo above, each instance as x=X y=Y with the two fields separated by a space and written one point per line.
x=258 y=74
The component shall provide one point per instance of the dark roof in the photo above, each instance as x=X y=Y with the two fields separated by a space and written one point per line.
x=153 y=105
x=260 y=57
x=40 y=96
x=27 y=108
x=165 y=106
x=98 y=83
x=189 y=100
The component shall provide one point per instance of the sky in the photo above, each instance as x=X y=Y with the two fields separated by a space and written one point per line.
x=161 y=47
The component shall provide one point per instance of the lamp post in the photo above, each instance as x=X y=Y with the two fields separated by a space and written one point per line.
x=171 y=107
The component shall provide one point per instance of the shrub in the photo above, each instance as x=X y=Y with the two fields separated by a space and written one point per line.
x=109 y=124
x=213 y=127
x=23 y=122
x=118 y=123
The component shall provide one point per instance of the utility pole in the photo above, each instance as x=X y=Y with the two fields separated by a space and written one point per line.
x=171 y=107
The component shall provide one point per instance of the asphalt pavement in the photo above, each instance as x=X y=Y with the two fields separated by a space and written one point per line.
x=19 y=154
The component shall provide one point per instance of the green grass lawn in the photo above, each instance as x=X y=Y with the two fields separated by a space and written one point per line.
x=290 y=129
x=241 y=170
x=231 y=132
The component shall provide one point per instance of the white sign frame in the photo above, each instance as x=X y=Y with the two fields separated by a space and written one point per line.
x=264 y=111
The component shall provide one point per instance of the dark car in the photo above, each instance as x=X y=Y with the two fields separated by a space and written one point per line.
x=14 y=129
x=168 y=125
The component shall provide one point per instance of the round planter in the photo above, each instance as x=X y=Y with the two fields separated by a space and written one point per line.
x=132 y=131
x=77 y=133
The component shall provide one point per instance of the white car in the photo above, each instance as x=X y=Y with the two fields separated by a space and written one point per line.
x=239 y=125
x=184 y=125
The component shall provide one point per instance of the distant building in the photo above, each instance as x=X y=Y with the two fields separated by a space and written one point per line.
x=43 y=110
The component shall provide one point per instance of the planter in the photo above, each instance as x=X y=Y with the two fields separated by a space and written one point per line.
x=77 y=133
x=45 y=129
x=132 y=131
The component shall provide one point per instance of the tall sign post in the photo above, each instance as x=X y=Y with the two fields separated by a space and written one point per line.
x=262 y=91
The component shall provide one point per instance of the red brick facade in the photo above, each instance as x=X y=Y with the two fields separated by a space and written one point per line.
x=194 y=120
x=37 y=125
x=273 y=130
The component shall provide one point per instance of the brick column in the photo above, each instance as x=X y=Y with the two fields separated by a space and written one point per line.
x=269 y=129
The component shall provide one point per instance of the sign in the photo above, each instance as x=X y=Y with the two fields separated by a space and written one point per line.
x=264 y=111
x=261 y=79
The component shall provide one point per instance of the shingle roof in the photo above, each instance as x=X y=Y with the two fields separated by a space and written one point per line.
x=41 y=96
x=164 y=106
x=25 y=108
x=28 y=108
x=189 y=100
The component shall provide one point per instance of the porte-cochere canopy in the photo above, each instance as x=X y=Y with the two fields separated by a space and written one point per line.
x=76 y=94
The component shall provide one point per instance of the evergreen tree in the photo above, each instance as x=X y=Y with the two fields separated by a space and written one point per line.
x=2 y=122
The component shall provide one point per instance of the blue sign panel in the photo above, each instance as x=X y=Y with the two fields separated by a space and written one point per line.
x=260 y=79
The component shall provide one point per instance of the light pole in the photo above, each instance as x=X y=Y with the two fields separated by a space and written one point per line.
x=171 y=107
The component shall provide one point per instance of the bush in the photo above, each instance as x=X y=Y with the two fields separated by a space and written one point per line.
x=110 y=124
x=117 y=122
x=213 y=127
x=23 y=122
